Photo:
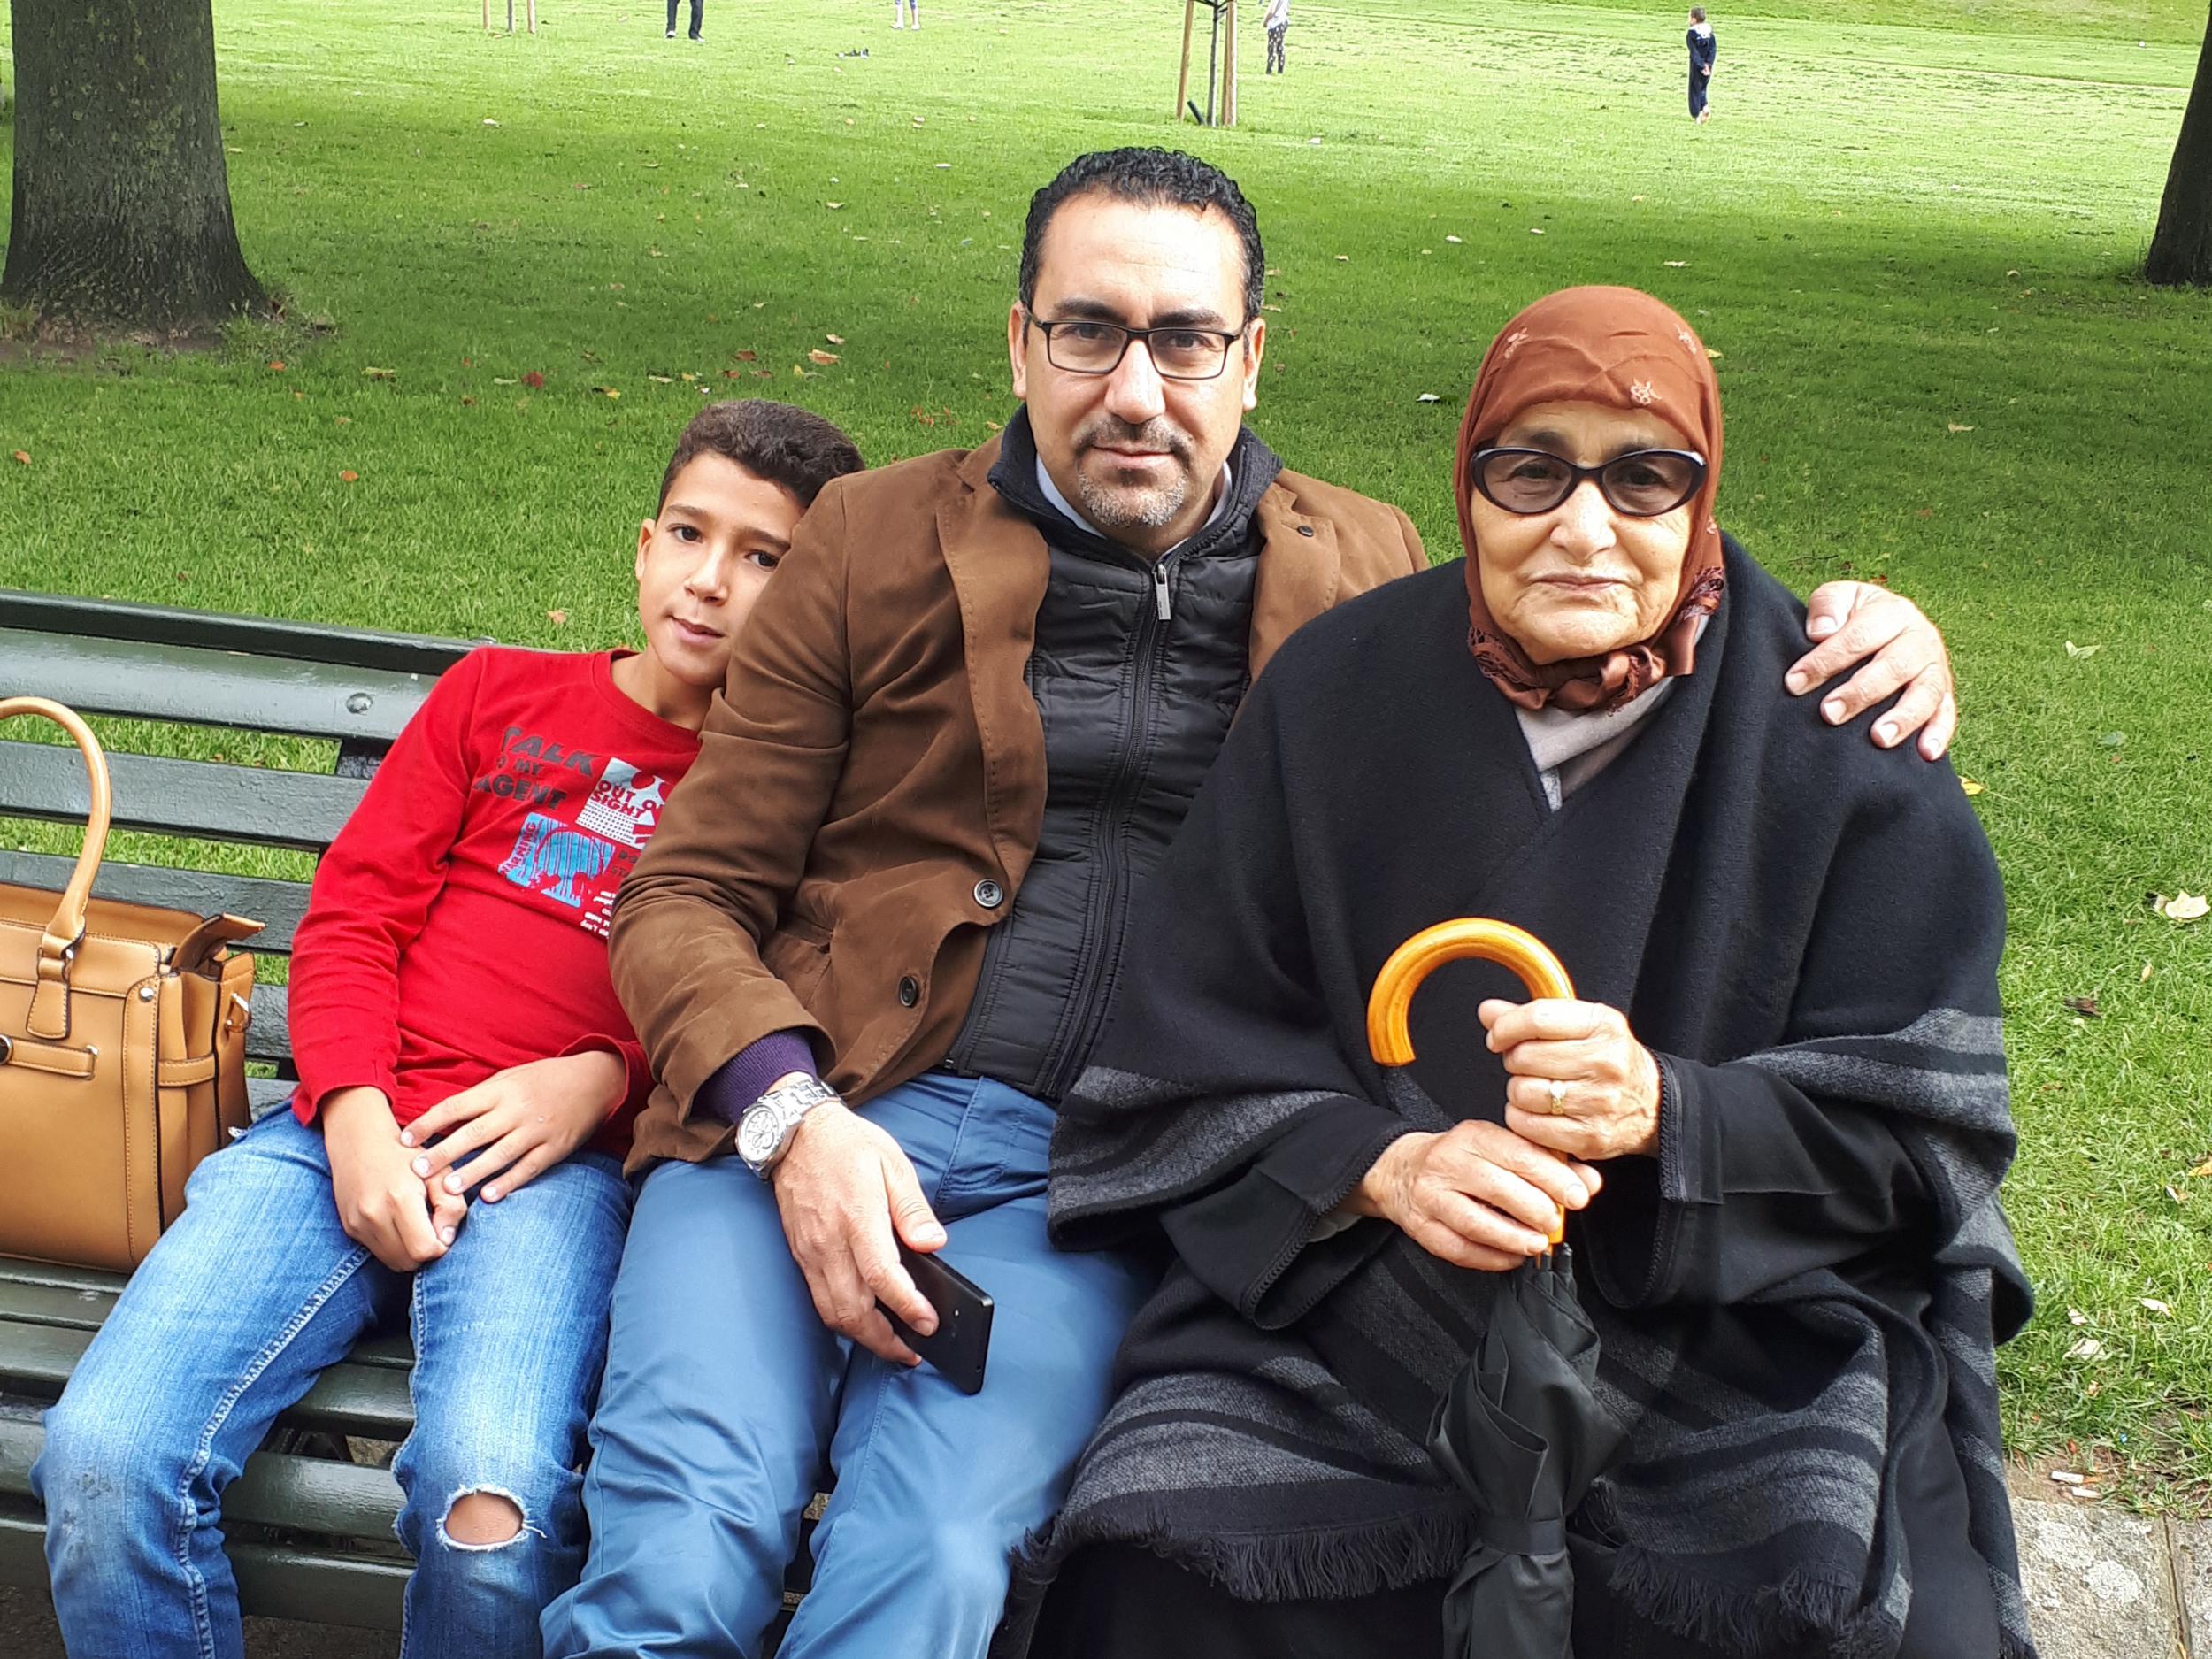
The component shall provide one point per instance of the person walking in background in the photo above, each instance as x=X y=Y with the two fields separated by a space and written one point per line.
x=1703 y=50
x=905 y=12
x=1278 y=24
x=698 y=8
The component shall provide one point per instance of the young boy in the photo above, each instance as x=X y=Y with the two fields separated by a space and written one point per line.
x=448 y=992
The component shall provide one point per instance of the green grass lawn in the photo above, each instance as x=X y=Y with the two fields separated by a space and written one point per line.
x=1909 y=231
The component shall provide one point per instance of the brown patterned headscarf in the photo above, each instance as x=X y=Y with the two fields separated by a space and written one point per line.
x=1622 y=347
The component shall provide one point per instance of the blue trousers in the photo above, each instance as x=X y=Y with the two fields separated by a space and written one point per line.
x=251 y=1294
x=727 y=1404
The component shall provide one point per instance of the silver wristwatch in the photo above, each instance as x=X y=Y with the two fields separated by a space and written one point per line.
x=765 y=1128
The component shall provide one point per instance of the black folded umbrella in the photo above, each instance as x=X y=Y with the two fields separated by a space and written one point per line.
x=1524 y=1434
x=1521 y=1430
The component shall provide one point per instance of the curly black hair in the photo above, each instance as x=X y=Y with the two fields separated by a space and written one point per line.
x=1150 y=178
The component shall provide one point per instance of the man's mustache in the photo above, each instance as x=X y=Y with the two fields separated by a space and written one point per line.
x=1114 y=432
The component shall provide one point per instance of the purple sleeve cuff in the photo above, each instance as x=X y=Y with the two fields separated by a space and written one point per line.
x=747 y=1075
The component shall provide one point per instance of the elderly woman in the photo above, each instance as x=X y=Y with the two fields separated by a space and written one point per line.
x=1777 y=1122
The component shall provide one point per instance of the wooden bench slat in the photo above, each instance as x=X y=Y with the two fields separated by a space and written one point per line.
x=274 y=1581
x=277 y=905
x=370 y=1401
x=183 y=797
x=80 y=1299
x=266 y=636
x=270 y=1035
x=195 y=686
x=313 y=1495
x=265 y=1094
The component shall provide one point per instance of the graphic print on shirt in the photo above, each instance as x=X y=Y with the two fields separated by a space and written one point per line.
x=550 y=858
x=626 y=804
x=592 y=819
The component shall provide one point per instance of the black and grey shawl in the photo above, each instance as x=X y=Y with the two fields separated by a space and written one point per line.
x=1798 y=1296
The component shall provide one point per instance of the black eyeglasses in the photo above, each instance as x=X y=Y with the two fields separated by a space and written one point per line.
x=1080 y=346
x=1643 y=483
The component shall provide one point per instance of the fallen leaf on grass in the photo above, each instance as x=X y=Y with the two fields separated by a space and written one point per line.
x=819 y=356
x=2088 y=1347
x=349 y=476
x=501 y=380
x=2177 y=1195
x=559 y=618
x=1452 y=239
x=23 y=458
x=2086 y=1006
x=2184 y=907
x=745 y=356
x=606 y=391
x=835 y=339
x=534 y=380
x=2076 y=1317
x=2073 y=649
x=1344 y=258
x=1956 y=427
x=276 y=365
x=1970 y=786
x=1428 y=398
x=1676 y=264
x=379 y=374
x=2202 y=1170
x=2151 y=1304
x=833 y=206
x=2145 y=977
x=1535 y=230
x=1712 y=356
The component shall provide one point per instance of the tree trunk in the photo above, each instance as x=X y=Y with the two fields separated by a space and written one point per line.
x=2181 y=249
x=122 y=203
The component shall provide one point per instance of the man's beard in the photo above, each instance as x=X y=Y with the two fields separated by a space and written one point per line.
x=1143 y=507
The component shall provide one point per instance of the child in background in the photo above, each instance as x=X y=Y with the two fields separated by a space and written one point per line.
x=1703 y=50
x=449 y=991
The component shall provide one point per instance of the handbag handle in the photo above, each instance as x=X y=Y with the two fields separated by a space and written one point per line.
x=57 y=945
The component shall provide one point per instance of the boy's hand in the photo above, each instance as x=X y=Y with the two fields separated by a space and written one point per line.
x=528 y=1119
x=382 y=1204
x=847 y=1194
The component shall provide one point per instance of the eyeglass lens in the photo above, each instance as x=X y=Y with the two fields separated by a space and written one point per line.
x=1088 y=348
x=1643 y=484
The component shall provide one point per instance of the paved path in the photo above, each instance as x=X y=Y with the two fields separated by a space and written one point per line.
x=2101 y=1585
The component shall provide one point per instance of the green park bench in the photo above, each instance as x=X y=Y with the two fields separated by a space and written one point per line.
x=311 y=1536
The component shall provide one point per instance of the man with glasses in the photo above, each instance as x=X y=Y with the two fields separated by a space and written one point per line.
x=877 y=929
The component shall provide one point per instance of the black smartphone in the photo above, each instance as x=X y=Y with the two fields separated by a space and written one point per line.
x=963 y=1341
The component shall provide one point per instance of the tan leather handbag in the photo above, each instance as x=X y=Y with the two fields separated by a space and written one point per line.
x=122 y=1051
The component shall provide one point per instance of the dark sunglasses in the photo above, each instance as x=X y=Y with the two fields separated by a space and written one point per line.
x=1643 y=483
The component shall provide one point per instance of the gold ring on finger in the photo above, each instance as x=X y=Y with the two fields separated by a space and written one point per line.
x=1558 y=1092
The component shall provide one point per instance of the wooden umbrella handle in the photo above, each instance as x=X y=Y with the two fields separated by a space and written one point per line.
x=1390 y=1005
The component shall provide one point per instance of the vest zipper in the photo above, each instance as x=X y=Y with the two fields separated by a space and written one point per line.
x=1099 y=971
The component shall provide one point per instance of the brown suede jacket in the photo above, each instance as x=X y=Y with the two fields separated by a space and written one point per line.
x=875 y=756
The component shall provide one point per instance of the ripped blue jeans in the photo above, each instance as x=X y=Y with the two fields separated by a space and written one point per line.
x=240 y=1306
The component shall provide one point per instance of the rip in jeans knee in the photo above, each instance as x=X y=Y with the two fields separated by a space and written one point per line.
x=486 y=1511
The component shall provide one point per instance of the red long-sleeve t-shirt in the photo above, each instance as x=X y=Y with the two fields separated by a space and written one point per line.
x=457 y=926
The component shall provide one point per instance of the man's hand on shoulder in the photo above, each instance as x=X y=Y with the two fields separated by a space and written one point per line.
x=383 y=1205
x=847 y=1194
x=1855 y=622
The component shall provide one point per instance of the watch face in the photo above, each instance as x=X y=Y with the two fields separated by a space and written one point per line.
x=757 y=1132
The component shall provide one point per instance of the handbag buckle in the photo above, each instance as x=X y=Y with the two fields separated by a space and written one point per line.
x=240 y=1016
x=7 y=1047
